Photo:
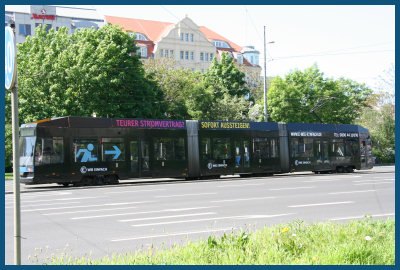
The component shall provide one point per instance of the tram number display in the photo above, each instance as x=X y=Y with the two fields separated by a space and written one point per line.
x=345 y=135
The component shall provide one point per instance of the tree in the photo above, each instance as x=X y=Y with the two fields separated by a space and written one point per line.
x=89 y=72
x=225 y=77
x=380 y=118
x=177 y=84
x=290 y=99
x=218 y=94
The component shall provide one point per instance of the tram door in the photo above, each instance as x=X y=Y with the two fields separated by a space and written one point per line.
x=140 y=158
x=242 y=155
x=321 y=150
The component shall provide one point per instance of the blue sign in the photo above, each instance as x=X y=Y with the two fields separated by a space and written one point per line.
x=116 y=152
x=10 y=58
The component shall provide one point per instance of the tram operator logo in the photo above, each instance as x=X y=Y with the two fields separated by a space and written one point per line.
x=83 y=169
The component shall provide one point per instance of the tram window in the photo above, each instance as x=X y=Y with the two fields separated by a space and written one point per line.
x=205 y=148
x=351 y=148
x=85 y=150
x=274 y=148
x=302 y=147
x=112 y=149
x=295 y=147
x=49 y=151
x=179 y=148
x=337 y=148
x=222 y=148
x=163 y=148
x=260 y=148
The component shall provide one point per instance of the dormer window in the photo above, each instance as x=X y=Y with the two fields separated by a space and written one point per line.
x=220 y=44
x=240 y=59
x=139 y=36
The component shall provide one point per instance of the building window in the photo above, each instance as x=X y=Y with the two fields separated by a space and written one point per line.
x=240 y=59
x=161 y=53
x=211 y=56
x=220 y=44
x=191 y=38
x=181 y=52
x=166 y=53
x=191 y=55
x=187 y=55
x=182 y=36
x=143 y=51
x=171 y=52
x=206 y=57
x=201 y=56
x=25 y=29
x=186 y=37
x=139 y=36
x=48 y=26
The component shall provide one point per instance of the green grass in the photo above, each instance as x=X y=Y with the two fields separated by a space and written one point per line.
x=361 y=242
x=9 y=176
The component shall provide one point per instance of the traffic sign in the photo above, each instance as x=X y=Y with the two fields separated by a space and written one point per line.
x=10 y=58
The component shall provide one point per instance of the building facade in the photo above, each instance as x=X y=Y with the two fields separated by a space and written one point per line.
x=189 y=45
x=27 y=17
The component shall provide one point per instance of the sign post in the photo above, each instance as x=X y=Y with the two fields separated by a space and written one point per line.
x=11 y=83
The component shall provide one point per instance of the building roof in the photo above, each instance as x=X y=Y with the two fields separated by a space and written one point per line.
x=152 y=29
x=211 y=35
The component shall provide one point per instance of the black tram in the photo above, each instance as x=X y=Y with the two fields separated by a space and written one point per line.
x=85 y=150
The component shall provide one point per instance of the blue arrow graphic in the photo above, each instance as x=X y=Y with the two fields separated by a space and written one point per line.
x=117 y=152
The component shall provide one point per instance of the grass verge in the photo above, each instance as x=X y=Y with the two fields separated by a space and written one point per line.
x=9 y=176
x=361 y=242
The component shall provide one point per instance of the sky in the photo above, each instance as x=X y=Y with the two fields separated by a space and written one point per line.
x=355 y=42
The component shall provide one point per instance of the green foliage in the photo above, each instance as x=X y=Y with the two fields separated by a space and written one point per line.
x=381 y=125
x=225 y=77
x=217 y=94
x=290 y=99
x=178 y=86
x=362 y=242
x=8 y=146
x=84 y=73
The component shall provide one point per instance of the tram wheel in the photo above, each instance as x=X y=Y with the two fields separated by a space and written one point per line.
x=111 y=179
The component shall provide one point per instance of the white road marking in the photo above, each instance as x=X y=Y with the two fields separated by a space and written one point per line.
x=319 y=204
x=146 y=212
x=241 y=185
x=82 y=206
x=290 y=188
x=314 y=181
x=63 y=199
x=380 y=180
x=30 y=195
x=164 y=217
x=131 y=191
x=43 y=204
x=171 y=234
x=356 y=217
x=350 y=192
x=209 y=219
x=375 y=183
x=245 y=199
x=91 y=210
x=182 y=195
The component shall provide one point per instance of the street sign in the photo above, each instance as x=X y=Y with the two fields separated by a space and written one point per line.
x=10 y=58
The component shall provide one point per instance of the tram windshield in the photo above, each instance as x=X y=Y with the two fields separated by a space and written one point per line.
x=27 y=146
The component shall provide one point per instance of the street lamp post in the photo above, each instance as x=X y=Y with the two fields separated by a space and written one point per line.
x=265 y=77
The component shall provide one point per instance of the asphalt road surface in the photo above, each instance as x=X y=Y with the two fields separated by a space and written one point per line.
x=98 y=221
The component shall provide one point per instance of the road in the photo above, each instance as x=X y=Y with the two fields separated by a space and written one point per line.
x=99 y=221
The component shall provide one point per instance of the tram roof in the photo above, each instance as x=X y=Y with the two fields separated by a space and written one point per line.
x=94 y=122
x=325 y=127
